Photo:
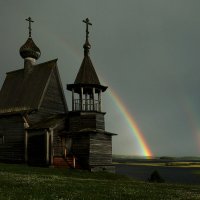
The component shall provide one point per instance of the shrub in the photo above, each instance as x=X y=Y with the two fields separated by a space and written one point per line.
x=155 y=177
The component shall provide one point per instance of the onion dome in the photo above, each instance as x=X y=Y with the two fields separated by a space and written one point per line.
x=29 y=49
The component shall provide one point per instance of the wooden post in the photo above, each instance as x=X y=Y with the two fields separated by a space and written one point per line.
x=52 y=148
x=81 y=99
x=86 y=102
x=74 y=162
x=26 y=146
x=72 y=99
x=47 y=147
x=93 y=93
x=26 y=125
x=90 y=102
x=99 y=100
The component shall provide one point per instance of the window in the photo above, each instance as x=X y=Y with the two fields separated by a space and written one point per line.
x=1 y=139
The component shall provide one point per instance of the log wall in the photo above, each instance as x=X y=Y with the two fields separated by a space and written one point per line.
x=12 y=128
x=84 y=120
x=100 y=149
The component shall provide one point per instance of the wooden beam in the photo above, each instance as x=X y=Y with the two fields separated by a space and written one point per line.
x=81 y=99
x=26 y=146
x=52 y=150
x=72 y=99
x=99 y=100
x=93 y=93
x=47 y=147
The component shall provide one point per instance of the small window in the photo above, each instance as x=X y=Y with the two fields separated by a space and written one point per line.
x=1 y=139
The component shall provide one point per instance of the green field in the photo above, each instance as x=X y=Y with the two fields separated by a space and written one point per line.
x=23 y=182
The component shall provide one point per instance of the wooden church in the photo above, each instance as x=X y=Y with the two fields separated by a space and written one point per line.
x=36 y=126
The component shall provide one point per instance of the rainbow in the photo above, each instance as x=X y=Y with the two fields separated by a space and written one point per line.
x=115 y=98
x=132 y=124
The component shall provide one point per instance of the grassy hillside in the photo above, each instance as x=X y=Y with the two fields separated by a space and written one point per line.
x=23 y=182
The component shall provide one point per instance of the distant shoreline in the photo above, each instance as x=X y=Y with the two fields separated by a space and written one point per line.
x=178 y=164
x=173 y=174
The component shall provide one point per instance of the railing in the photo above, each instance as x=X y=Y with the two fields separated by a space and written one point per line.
x=67 y=155
x=61 y=150
x=86 y=105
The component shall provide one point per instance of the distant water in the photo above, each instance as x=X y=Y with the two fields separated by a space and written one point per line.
x=169 y=174
x=160 y=158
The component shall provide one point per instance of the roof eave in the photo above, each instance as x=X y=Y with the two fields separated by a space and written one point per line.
x=76 y=87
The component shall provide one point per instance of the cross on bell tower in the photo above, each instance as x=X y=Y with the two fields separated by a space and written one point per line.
x=29 y=27
x=87 y=22
x=87 y=45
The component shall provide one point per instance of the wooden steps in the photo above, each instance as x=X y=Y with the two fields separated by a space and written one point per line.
x=68 y=162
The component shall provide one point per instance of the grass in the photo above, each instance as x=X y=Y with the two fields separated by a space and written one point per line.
x=23 y=182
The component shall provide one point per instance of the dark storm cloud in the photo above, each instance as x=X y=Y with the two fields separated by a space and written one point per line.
x=146 y=50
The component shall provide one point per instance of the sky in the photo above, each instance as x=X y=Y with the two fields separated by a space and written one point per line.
x=146 y=51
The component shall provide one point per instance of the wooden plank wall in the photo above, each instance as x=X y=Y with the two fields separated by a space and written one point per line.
x=88 y=121
x=100 y=122
x=12 y=128
x=74 y=123
x=53 y=102
x=79 y=121
x=100 y=149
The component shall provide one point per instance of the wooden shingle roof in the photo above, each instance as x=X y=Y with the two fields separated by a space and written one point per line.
x=87 y=73
x=23 y=91
x=86 y=77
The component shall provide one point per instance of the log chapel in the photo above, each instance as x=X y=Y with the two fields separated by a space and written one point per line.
x=36 y=126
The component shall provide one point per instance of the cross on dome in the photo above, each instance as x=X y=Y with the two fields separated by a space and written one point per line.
x=29 y=27
x=29 y=49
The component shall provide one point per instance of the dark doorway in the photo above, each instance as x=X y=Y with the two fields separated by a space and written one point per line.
x=37 y=150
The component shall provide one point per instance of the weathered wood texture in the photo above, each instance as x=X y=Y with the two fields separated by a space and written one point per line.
x=90 y=144
x=92 y=149
x=41 y=95
x=100 y=149
x=53 y=101
x=23 y=91
x=12 y=128
x=84 y=120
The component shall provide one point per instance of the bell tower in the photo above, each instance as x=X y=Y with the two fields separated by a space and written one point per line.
x=91 y=144
x=86 y=85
